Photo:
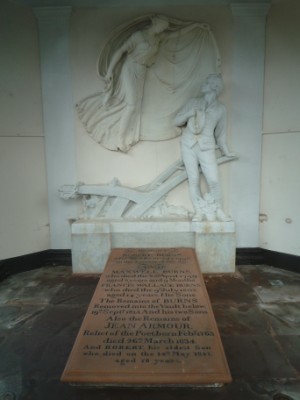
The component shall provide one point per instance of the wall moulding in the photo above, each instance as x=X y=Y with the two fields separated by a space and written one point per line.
x=46 y=14
x=53 y=24
x=140 y=3
x=249 y=21
x=250 y=9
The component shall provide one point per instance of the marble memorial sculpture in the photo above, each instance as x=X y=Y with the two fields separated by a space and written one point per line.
x=203 y=122
x=161 y=81
x=153 y=67
x=150 y=66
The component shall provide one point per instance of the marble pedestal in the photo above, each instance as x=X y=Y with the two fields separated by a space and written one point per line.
x=92 y=241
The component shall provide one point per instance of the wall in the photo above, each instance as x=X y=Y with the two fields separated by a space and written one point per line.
x=23 y=195
x=280 y=183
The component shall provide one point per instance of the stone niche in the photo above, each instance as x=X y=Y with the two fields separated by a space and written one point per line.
x=246 y=104
x=93 y=240
x=144 y=64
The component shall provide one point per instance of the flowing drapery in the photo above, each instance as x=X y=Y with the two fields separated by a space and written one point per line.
x=151 y=82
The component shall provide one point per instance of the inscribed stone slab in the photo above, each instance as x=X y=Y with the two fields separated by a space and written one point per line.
x=150 y=322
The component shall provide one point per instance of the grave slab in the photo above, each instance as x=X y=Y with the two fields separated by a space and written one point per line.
x=149 y=323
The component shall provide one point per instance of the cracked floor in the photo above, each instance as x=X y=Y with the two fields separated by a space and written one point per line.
x=257 y=310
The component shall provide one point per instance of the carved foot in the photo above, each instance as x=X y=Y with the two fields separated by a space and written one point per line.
x=221 y=216
x=210 y=216
x=198 y=217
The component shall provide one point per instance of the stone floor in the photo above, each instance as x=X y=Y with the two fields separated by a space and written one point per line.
x=257 y=311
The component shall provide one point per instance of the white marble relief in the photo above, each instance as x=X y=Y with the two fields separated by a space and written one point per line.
x=114 y=201
x=203 y=122
x=151 y=66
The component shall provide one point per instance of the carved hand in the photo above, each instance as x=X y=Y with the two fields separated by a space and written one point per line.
x=68 y=192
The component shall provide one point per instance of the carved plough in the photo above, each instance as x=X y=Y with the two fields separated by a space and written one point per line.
x=116 y=201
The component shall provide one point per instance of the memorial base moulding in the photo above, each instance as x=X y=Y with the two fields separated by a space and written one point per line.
x=149 y=323
x=93 y=240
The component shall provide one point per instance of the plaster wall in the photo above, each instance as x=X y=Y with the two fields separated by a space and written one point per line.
x=23 y=195
x=280 y=183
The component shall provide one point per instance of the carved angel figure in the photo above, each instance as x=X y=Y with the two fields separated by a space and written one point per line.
x=147 y=66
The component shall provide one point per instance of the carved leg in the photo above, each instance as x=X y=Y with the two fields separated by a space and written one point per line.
x=191 y=163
